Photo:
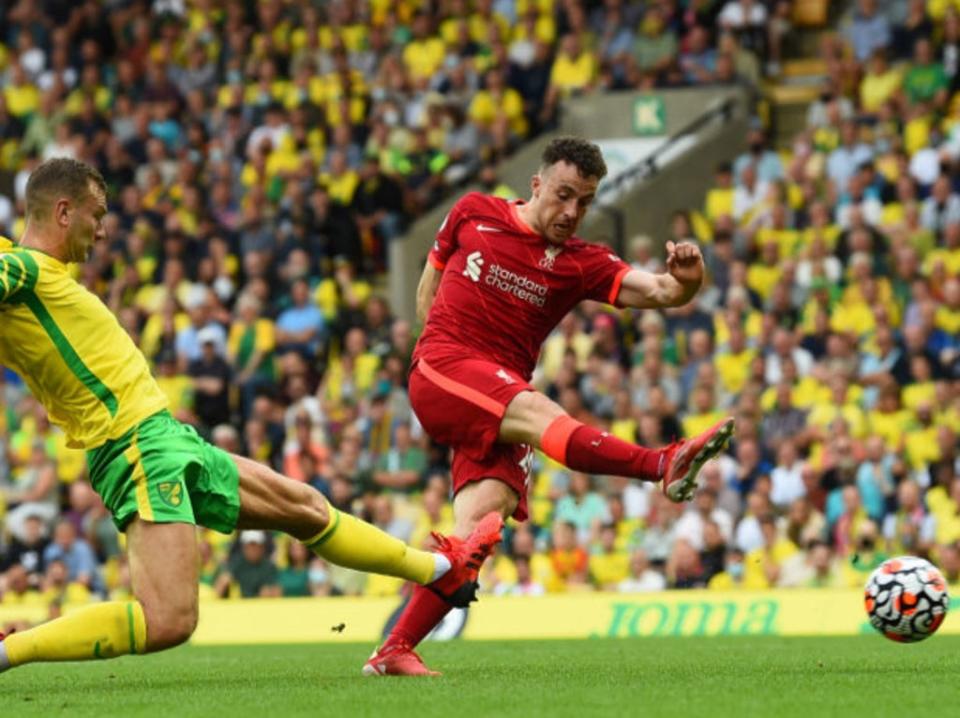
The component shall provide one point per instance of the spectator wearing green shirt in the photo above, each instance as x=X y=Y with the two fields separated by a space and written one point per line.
x=294 y=578
x=402 y=467
x=251 y=569
x=655 y=49
x=925 y=81
x=582 y=507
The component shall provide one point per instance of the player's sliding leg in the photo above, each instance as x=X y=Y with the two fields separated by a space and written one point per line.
x=532 y=418
x=269 y=500
x=163 y=572
x=472 y=506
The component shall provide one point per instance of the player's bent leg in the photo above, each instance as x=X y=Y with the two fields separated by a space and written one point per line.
x=269 y=500
x=163 y=570
x=527 y=417
x=534 y=419
x=477 y=499
x=477 y=505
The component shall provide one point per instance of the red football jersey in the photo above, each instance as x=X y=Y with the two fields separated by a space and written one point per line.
x=504 y=287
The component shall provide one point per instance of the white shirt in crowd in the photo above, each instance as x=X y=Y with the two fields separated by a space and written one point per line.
x=648 y=581
x=787 y=484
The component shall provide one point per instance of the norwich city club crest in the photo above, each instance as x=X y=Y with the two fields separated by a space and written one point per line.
x=171 y=492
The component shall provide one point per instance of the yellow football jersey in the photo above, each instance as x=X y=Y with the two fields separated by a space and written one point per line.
x=71 y=350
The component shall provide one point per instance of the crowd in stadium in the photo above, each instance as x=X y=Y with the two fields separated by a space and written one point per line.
x=260 y=156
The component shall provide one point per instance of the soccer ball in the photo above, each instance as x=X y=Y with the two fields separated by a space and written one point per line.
x=906 y=599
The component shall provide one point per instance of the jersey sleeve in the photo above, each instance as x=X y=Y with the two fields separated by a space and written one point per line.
x=603 y=273
x=18 y=271
x=445 y=243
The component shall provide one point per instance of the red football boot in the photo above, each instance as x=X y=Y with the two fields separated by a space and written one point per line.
x=458 y=586
x=396 y=659
x=687 y=456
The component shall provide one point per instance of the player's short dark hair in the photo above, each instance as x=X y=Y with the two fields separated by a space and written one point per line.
x=60 y=177
x=581 y=153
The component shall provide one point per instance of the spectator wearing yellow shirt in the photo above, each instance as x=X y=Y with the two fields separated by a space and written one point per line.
x=921 y=390
x=763 y=565
x=880 y=83
x=250 y=346
x=608 y=564
x=351 y=374
x=920 y=439
x=719 y=202
x=841 y=405
x=269 y=87
x=340 y=181
x=344 y=27
x=568 y=337
x=22 y=96
x=435 y=513
x=535 y=27
x=484 y=22
x=166 y=321
x=763 y=276
x=945 y=510
x=503 y=569
x=177 y=387
x=947 y=254
x=623 y=424
x=889 y=419
x=820 y=224
x=424 y=54
x=18 y=591
x=910 y=530
x=704 y=414
x=739 y=311
x=947 y=316
x=733 y=360
x=574 y=72
x=497 y=110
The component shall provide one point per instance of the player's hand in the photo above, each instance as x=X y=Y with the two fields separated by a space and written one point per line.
x=685 y=263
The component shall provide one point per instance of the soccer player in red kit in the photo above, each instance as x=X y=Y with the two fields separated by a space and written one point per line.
x=501 y=275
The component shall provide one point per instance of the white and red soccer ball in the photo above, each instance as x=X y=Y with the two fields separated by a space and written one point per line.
x=906 y=599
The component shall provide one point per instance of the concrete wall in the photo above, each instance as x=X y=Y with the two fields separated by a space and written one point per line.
x=646 y=208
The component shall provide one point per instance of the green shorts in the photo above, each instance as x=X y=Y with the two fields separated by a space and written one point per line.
x=164 y=472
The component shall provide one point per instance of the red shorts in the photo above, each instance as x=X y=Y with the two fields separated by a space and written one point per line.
x=461 y=402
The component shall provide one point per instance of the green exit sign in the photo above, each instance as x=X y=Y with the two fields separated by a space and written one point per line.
x=649 y=116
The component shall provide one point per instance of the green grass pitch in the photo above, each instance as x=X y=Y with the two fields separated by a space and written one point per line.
x=778 y=677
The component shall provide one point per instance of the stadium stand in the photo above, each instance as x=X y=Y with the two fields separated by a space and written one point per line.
x=261 y=156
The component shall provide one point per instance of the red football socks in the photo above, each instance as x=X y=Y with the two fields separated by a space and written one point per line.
x=584 y=448
x=424 y=611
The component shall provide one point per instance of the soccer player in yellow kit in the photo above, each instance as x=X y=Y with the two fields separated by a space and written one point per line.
x=157 y=477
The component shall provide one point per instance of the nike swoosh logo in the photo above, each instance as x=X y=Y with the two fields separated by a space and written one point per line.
x=485 y=228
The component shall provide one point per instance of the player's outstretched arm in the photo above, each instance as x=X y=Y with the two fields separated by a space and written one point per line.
x=673 y=288
x=427 y=290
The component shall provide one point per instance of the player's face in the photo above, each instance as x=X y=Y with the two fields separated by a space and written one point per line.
x=561 y=197
x=86 y=225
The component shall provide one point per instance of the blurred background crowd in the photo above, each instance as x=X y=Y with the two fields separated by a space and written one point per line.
x=261 y=155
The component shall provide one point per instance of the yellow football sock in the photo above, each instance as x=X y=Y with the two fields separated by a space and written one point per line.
x=347 y=541
x=103 y=630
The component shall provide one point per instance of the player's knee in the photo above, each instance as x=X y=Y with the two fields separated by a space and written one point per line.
x=320 y=510
x=528 y=415
x=313 y=514
x=171 y=626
